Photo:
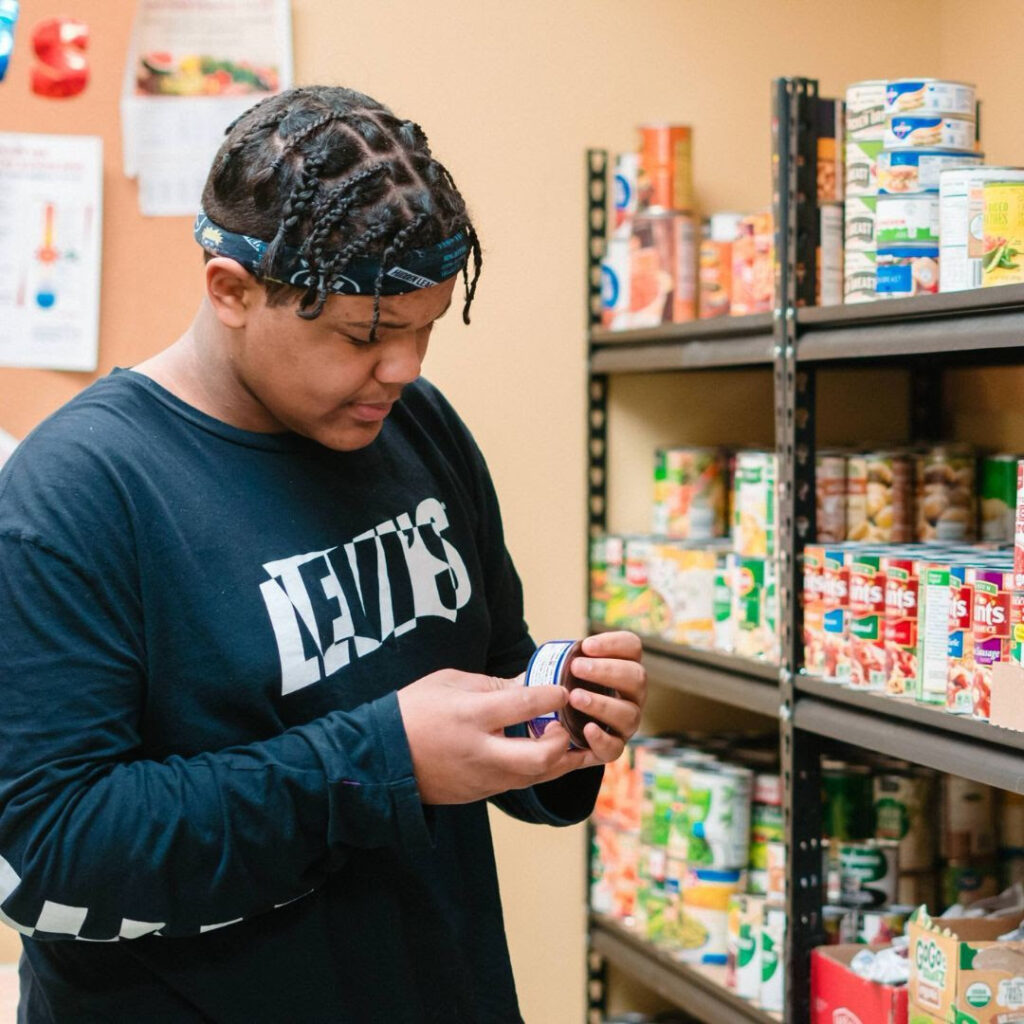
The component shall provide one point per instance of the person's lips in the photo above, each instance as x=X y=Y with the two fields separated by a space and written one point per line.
x=370 y=411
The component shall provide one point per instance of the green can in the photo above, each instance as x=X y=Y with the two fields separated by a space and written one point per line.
x=998 y=497
x=598 y=609
x=847 y=798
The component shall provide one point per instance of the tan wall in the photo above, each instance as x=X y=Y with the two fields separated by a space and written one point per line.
x=511 y=94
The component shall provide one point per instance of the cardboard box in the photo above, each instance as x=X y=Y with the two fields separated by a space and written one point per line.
x=838 y=994
x=965 y=976
x=1007 y=690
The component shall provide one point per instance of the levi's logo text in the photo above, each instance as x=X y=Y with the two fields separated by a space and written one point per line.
x=331 y=607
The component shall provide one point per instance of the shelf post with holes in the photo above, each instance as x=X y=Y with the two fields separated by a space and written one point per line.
x=794 y=179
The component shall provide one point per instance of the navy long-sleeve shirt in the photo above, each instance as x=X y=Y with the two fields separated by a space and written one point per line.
x=207 y=804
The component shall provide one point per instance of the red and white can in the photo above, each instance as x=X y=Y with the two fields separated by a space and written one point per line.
x=902 y=579
x=991 y=631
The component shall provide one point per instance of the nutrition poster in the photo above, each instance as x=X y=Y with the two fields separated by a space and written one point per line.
x=193 y=66
x=50 y=221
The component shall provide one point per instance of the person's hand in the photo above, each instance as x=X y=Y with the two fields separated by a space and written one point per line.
x=612 y=660
x=455 y=725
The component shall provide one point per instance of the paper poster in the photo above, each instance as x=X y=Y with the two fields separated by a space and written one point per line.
x=7 y=445
x=50 y=223
x=193 y=66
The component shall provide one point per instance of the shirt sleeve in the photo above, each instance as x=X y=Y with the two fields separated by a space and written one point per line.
x=98 y=844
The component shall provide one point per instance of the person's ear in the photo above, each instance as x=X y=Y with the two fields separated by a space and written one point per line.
x=232 y=290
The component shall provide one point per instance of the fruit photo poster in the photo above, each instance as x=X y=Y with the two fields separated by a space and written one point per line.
x=193 y=66
x=50 y=250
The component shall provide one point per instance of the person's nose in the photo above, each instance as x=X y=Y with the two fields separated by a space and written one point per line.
x=401 y=358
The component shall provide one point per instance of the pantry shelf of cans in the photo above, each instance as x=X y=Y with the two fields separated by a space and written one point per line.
x=912 y=606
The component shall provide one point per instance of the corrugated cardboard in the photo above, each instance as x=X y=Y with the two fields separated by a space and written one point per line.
x=1007 y=696
x=838 y=994
x=950 y=981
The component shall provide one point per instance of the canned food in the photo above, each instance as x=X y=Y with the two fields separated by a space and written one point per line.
x=689 y=493
x=1003 y=220
x=829 y=131
x=1011 y=821
x=705 y=931
x=624 y=192
x=908 y=219
x=860 y=277
x=862 y=157
x=829 y=277
x=860 y=219
x=930 y=131
x=766 y=828
x=722 y=609
x=902 y=584
x=830 y=495
x=682 y=581
x=775 y=852
x=615 y=277
x=753 y=267
x=598 y=603
x=867 y=873
x=865 y=110
x=551 y=665
x=919 y=887
x=836 y=615
x=998 y=497
x=666 y=166
x=931 y=95
x=718 y=807
x=962 y=219
x=904 y=804
x=714 y=275
x=814 y=610
x=965 y=883
x=840 y=925
x=846 y=801
x=880 y=927
x=773 y=975
x=754 y=504
x=746 y=914
x=991 y=632
x=869 y=663
x=968 y=820
x=960 y=649
x=907 y=270
x=933 y=634
x=945 y=495
x=878 y=497
x=902 y=171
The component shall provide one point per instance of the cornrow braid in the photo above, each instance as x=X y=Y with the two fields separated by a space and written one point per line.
x=337 y=174
x=397 y=246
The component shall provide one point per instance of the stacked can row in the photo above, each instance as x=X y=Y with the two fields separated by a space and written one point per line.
x=942 y=494
x=703 y=596
x=915 y=621
x=924 y=838
x=679 y=848
x=705 y=493
x=899 y=136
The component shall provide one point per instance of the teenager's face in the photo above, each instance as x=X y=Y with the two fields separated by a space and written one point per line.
x=322 y=378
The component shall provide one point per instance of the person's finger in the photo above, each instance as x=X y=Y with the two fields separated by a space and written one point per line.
x=604 y=746
x=627 y=677
x=617 y=643
x=621 y=716
x=529 y=761
x=518 y=704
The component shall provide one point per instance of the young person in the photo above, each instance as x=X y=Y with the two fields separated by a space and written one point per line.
x=261 y=634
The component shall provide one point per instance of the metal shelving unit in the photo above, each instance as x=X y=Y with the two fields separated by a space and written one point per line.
x=928 y=334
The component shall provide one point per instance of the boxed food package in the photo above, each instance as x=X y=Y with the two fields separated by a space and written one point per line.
x=840 y=994
x=959 y=971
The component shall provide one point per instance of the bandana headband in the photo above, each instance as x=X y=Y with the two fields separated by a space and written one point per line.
x=418 y=268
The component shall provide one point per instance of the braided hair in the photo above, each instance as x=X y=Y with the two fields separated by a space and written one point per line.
x=336 y=174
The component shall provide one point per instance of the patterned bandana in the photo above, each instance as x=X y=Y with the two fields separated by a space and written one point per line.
x=418 y=268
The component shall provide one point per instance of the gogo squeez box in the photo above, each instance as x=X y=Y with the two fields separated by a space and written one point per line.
x=960 y=974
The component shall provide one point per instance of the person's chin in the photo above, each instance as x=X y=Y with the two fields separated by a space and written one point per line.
x=349 y=437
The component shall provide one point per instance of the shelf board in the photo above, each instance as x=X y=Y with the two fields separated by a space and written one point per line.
x=740 y=682
x=914 y=732
x=979 y=321
x=729 y=341
x=698 y=990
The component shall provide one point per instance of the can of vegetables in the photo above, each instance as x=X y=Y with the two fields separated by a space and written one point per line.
x=551 y=665
x=1002 y=261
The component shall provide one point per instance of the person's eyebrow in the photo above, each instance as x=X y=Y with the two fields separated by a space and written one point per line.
x=391 y=324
